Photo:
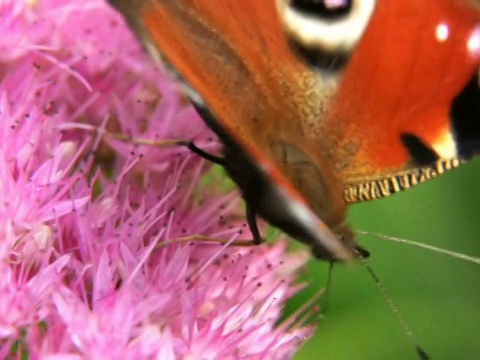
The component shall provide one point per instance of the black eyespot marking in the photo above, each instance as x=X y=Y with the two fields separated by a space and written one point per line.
x=325 y=9
x=465 y=115
x=419 y=152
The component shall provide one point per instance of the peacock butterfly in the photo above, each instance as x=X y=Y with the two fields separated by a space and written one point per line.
x=320 y=104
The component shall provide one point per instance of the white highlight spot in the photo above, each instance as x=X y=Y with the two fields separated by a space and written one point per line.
x=473 y=42
x=442 y=32
x=334 y=4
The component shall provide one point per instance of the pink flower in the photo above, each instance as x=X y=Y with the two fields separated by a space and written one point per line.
x=95 y=255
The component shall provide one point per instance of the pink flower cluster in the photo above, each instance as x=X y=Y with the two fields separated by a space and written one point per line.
x=89 y=265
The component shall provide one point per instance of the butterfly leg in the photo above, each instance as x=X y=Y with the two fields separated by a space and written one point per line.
x=210 y=120
x=252 y=224
x=210 y=157
x=250 y=213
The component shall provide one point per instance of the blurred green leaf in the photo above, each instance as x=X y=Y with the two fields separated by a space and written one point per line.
x=436 y=294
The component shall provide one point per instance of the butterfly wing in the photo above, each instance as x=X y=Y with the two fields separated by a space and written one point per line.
x=407 y=108
x=337 y=118
x=235 y=57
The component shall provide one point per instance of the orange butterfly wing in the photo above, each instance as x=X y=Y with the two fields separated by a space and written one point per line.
x=320 y=129
x=413 y=60
x=401 y=79
x=235 y=56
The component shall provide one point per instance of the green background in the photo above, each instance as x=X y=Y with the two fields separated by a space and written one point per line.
x=436 y=294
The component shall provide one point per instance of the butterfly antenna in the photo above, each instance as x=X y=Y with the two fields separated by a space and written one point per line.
x=439 y=250
x=420 y=352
